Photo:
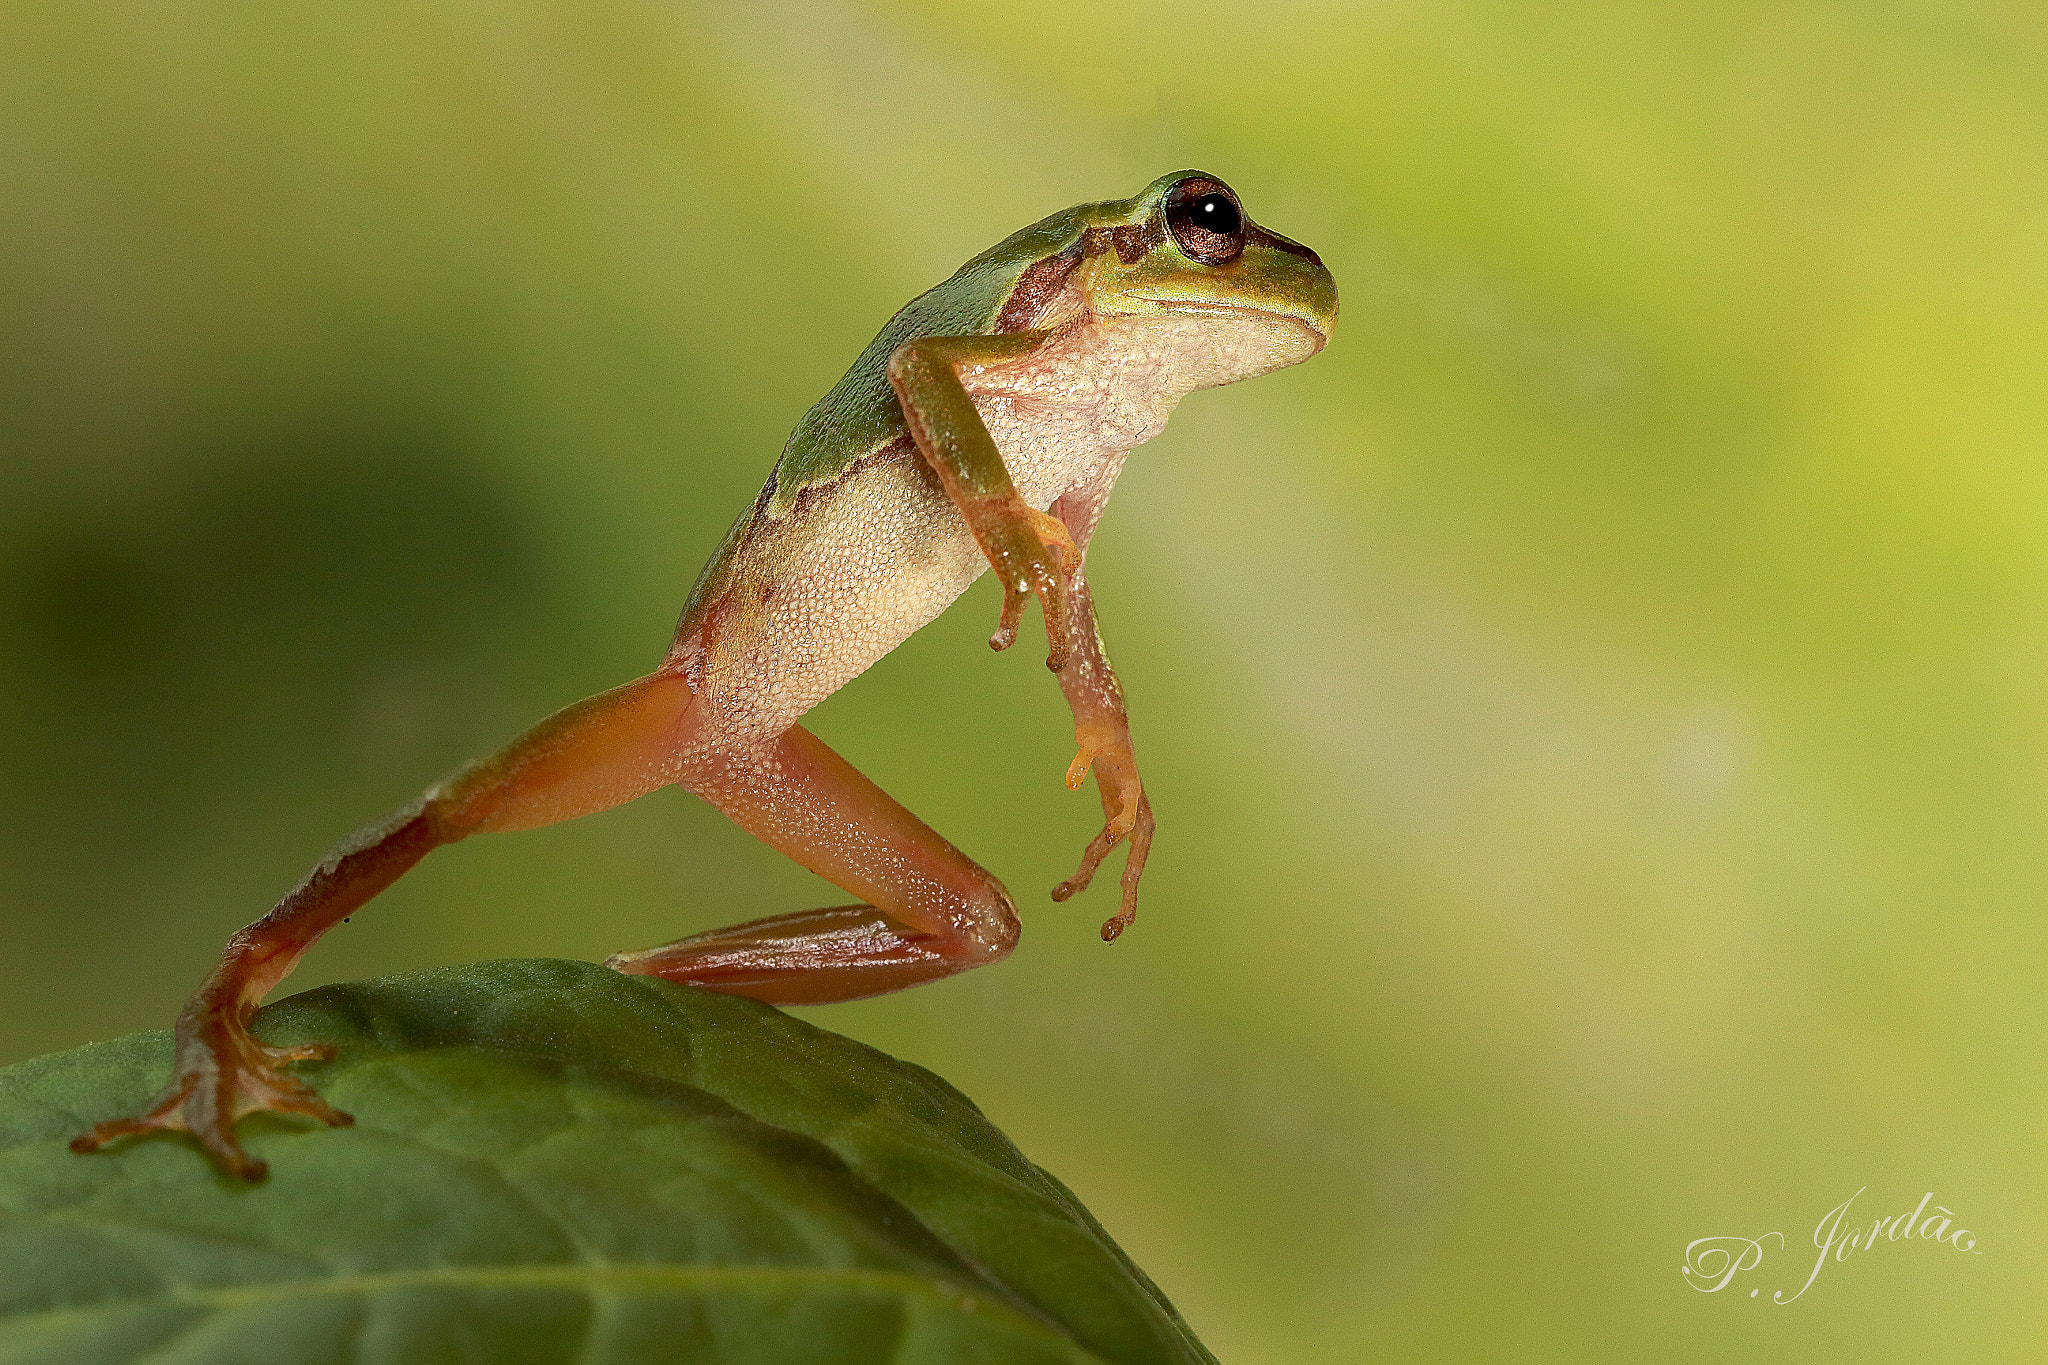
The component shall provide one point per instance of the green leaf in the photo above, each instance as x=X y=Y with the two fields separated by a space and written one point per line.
x=554 y=1162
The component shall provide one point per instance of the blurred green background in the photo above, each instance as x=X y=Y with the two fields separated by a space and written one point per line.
x=1598 y=710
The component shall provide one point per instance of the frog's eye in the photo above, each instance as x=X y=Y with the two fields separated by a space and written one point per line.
x=1205 y=220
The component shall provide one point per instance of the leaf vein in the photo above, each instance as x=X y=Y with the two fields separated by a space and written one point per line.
x=598 y=1280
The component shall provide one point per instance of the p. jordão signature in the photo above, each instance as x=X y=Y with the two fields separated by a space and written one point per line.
x=1712 y=1263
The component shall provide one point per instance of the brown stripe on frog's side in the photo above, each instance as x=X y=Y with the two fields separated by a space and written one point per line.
x=897 y=449
x=711 y=596
x=1254 y=235
x=1034 y=288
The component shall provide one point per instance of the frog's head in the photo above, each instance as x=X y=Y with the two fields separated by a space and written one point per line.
x=1184 y=246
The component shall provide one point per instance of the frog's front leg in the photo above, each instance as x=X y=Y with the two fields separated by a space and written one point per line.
x=1102 y=728
x=1030 y=551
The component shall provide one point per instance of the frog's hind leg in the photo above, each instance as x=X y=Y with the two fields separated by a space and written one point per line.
x=928 y=911
x=587 y=757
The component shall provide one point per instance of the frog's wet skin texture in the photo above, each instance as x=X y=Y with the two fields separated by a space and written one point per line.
x=984 y=427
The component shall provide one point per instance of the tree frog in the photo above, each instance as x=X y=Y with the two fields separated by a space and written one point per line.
x=981 y=429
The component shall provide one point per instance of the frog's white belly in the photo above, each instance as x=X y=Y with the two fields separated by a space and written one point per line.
x=822 y=592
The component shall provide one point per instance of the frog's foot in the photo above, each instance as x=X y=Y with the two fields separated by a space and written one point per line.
x=1031 y=552
x=1128 y=814
x=218 y=1080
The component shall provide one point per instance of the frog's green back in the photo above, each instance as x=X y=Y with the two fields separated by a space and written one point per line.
x=860 y=415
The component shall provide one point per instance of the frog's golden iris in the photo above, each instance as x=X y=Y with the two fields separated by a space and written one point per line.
x=1205 y=220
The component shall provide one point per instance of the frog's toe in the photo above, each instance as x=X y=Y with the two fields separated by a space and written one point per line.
x=1112 y=834
x=174 y=1111
x=280 y=1094
x=227 y=1153
x=164 y=1115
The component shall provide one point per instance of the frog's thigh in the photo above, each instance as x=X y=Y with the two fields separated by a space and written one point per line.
x=929 y=910
x=589 y=757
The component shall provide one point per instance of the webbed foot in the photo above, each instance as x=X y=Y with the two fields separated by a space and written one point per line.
x=1127 y=814
x=221 y=1075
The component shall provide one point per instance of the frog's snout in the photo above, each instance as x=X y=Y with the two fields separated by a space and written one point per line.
x=1295 y=283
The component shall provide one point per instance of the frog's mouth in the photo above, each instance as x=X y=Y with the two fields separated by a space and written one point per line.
x=1318 y=328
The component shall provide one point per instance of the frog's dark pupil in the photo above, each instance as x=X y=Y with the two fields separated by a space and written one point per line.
x=1205 y=221
x=1214 y=213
